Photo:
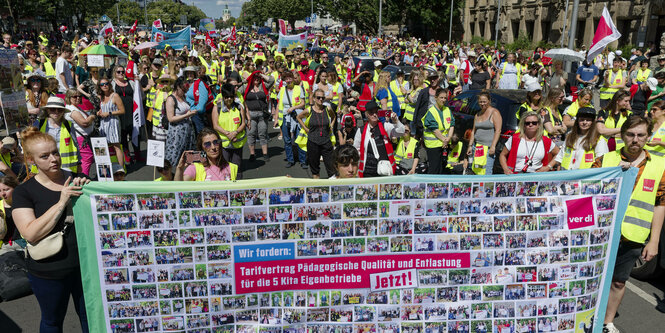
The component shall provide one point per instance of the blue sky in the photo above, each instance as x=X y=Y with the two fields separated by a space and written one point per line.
x=213 y=8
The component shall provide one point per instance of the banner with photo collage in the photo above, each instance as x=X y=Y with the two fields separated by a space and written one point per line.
x=411 y=254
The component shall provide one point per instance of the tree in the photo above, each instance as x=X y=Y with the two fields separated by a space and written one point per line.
x=169 y=12
x=129 y=12
x=219 y=24
x=259 y=11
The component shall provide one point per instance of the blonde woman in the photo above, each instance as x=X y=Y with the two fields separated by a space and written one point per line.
x=381 y=93
x=416 y=83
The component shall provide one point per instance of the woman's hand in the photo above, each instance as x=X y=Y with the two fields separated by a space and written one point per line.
x=182 y=164
x=68 y=191
x=491 y=151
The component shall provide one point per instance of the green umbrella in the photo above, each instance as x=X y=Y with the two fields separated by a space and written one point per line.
x=103 y=49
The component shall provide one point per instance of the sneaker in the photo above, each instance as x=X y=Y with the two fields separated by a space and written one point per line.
x=252 y=158
x=610 y=328
x=266 y=158
x=279 y=137
x=304 y=166
x=289 y=164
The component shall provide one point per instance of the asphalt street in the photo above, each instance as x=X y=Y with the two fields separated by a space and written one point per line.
x=637 y=313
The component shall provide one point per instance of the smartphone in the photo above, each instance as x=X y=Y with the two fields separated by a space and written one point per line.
x=195 y=157
x=384 y=113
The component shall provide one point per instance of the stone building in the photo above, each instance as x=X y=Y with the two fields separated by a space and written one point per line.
x=639 y=21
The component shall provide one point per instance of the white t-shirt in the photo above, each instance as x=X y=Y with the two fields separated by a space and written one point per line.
x=62 y=67
x=577 y=155
x=79 y=129
x=525 y=148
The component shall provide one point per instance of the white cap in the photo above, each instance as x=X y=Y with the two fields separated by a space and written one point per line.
x=618 y=52
x=533 y=85
x=652 y=82
x=377 y=63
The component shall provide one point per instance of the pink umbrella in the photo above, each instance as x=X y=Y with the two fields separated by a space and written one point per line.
x=145 y=45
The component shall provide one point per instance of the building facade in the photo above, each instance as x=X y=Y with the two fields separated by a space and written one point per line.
x=641 y=22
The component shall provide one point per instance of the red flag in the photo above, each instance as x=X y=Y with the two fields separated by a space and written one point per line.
x=107 y=29
x=138 y=119
x=210 y=42
x=133 y=28
x=282 y=27
x=157 y=23
x=605 y=34
x=233 y=32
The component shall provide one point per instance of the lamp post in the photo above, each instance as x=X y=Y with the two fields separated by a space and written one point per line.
x=380 y=9
x=496 y=28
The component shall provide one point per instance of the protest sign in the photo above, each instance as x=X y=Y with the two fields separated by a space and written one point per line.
x=392 y=254
x=176 y=40
x=207 y=24
x=155 y=155
x=291 y=42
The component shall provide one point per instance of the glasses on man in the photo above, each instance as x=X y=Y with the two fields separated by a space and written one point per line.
x=209 y=144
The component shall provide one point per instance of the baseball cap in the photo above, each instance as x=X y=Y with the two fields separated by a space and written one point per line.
x=116 y=168
x=158 y=61
x=377 y=63
x=371 y=105
x=661 y=57
x=8 y=142
x=652 y=82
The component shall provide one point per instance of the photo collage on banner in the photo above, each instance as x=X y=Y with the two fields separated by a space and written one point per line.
x=390 y=258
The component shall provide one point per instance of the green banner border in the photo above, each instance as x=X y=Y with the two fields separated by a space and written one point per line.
x=85 y=231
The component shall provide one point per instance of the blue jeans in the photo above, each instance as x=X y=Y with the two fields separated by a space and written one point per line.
x=287 y=136
x=199 y=121
x=490 y=164
x=53 y=297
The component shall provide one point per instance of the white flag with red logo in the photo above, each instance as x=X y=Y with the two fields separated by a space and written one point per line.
x=606 y=33
x=233 y=32
x=157 y=23
x=107 y=29
x=282 y=27
x=133 y=28
x=210 y=42
x=137 y=114
x=349 y=73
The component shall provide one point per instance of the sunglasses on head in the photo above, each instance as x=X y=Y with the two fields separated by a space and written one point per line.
x=531 y=123
x=209 y=144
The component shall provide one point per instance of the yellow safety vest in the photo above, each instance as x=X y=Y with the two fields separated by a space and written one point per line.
x=339 y=69
x=519 y=72
x=273 y=89
x=395 y=87
x=410 y=108
x=572 y=109
x=642 y=75
x=336 y=96
x=453 y=68
x=304 y=85
x=658 y=136
x=43 y=40
x=526 y=105
x=295 y=100
x=231 y=121
x=201 y=173
x=431 y=141
x=66 y=147
x=610 y=123
x=480 y=159
x=589 y=157
x=405 y=153
x=301 y=139
x=636 y=224
x=454 y=155
x=389 y=103
x=7 y=159
x=157 y=107
x=48 y=66
x=617 y=79
x=151 y=95
x=211 y=69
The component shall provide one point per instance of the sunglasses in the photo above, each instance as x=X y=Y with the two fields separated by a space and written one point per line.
x=34 y=80
x=531 y=123
x=120 y=72
x=76 y=96
x=209 y=144
x=320 y=97
x=103 y=84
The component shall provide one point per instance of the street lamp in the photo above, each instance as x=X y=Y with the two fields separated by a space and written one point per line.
x=380 y=9
x=450 y=27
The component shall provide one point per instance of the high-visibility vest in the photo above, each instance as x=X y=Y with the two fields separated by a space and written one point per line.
x=340 y=70
x=658 y=136
x=525 y=105
x=642 y=75
x=304 y=85
x=301 y=139
x=66 y=147
x=151 y=94
x=335 y=92
x=589 y=157
x=519 y=72
x=48 y=66
x=231 y=121
x=389 y=103
x=480 y=159
x=43 y=40
x=451 y=71
x=431 y=141
x=295 y=100
x=614 y=78
x=211 y=69
x=376 y=77
x=610 y=123
x=410 y=108
x=636 y=224
x=572 y=109
x=201 y=173
x=273 y=89
x=396 y=88
x=7 y=159
x=454 y=155
x=407 y=152
x=366 y=95
x=157 y=107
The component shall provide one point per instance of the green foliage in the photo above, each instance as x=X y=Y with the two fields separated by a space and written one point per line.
x=58 y=12
x=625 y=50
x=169 y=12
x=522 y=42
x=219 y=24
x=546 y=45
x=478 y=40
x=259 y=11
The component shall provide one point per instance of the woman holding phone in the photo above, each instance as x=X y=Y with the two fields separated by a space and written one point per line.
x=180 y=136
x=211 y=165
